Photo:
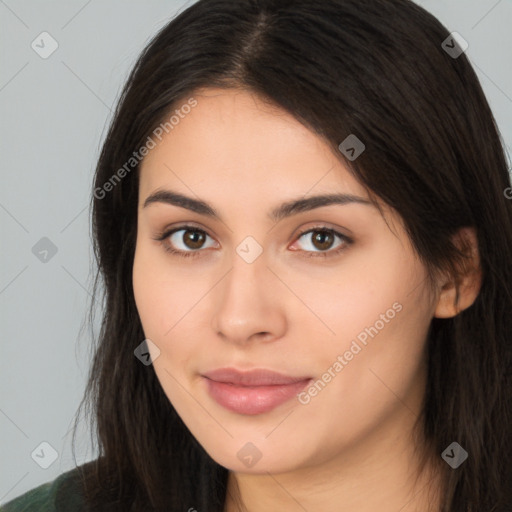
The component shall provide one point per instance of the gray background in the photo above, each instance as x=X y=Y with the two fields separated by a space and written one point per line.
x=54 y=114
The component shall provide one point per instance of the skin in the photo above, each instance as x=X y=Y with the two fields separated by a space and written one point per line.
x=351 y=447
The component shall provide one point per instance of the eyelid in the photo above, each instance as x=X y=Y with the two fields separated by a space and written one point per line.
x=322 y=226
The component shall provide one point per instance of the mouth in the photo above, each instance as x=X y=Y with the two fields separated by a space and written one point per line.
x=253 y=392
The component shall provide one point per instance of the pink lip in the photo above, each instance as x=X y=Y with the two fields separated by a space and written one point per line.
x=252 y=392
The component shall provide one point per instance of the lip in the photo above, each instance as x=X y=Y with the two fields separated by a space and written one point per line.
x=252 y=392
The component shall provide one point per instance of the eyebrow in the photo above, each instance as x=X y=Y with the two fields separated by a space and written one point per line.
x=284 y=210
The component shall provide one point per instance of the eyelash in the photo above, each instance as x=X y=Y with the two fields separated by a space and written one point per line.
x=161 y=237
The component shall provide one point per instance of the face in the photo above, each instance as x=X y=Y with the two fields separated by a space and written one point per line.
x=325 y=294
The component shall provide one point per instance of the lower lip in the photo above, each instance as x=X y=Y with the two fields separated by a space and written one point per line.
x=255 y=399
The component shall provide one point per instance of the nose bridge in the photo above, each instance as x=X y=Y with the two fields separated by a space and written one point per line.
x=246 y=303
x=242 y=285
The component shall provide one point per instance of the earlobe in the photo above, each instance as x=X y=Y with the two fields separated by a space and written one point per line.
x=457 y=293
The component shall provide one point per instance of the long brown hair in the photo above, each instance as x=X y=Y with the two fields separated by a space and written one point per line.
x=373 y=68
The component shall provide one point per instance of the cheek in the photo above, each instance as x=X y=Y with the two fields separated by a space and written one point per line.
x=380 y=316
x=383 y=362
x=167 y=306
x=164 y=307
x=379 y=380
x=337 y=302
x=154 y=297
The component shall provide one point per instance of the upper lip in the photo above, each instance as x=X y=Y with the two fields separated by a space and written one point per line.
x=256 y=377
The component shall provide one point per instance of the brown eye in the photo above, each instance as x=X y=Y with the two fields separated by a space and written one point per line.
x=186 y=240
x=193 y=239
x=322 y=240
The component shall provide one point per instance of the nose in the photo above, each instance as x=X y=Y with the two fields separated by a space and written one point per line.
x=248 y=303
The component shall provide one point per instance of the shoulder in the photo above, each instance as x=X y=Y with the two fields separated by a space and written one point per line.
x=62 y=494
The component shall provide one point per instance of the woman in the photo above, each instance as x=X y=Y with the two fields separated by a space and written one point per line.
x=301 y=224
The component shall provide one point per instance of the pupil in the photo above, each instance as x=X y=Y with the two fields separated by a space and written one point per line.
x=194 y=239
x=321 y=237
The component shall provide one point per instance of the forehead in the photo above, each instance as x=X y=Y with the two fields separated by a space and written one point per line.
x=234 y=140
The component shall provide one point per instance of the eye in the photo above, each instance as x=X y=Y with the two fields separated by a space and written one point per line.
x=320 y=242
x=187 y=241
x=184 y=240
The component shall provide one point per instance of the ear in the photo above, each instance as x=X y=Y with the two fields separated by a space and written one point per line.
x=459 y=292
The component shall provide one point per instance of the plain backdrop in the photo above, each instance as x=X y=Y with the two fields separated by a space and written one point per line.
x=54 y=112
